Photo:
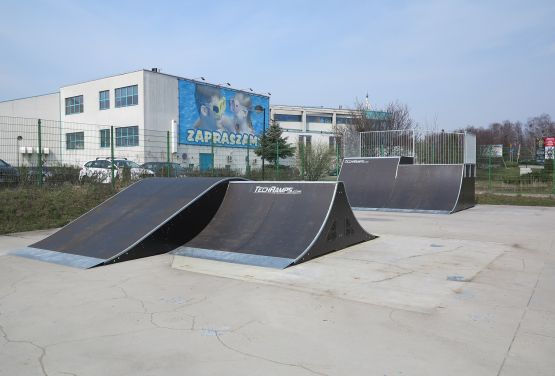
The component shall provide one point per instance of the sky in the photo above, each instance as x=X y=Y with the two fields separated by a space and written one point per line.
x=453 y=63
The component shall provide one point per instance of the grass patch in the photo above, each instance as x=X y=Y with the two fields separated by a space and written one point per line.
x=32 y=208
x=493 y=199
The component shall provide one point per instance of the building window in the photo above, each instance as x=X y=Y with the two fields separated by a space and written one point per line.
x=104 y=138
x=127 y=136
x=319 y=119
x=288 y=118
x=127 y=96
x=75 y=140
x=104 y=100
x=74 y=105
x=305 y=140
x=335 y=145
x=343 y=120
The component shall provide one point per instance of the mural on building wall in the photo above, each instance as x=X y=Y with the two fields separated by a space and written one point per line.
x=227 y=116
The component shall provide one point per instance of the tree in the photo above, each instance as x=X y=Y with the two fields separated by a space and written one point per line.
x=314 y=161
x=273 y=144
x=395 y=116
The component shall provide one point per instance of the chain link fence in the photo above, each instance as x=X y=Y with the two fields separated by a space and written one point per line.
x=510 y=170
x=44 y=153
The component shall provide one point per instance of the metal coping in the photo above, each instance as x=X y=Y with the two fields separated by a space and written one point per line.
x=321 y=227
x=233 y=257
x=60 y=258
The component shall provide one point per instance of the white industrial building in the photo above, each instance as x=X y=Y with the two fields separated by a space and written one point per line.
x=204 y=121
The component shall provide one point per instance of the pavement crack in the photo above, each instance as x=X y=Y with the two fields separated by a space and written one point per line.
x=521 y=320
x=392 y=277
x=41 y=348
x=266 y=359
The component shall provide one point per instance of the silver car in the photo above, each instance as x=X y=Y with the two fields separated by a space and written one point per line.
x=100 y=170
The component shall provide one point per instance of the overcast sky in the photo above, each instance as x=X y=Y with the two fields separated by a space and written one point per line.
x=454 y=63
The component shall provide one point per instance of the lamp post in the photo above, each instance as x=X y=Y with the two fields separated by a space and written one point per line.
x=19 y=138
x=260 y=109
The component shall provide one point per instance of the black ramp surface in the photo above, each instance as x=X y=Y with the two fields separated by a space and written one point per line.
x=150 y=217
x=277 y=224
x=394 y=183
x=369 y=181
x=427 y=187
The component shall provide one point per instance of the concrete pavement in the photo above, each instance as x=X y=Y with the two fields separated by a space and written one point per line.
x=470 y=293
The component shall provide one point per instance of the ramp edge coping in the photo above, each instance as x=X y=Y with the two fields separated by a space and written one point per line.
x=66 y=259
x=233 y=257
x=323 y=224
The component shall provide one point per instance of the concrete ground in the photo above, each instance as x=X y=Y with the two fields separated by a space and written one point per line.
x=471 y=293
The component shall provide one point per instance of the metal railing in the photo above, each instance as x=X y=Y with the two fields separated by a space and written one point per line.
x=426 y=147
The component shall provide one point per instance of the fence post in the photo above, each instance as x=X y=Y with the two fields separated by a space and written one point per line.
x=489 y=168
x=112 y=157
x=39 y=156
x=302 y=160
x=277 y=160
x=336 y=160
x=168 y=154
x=248 y=169
x=553 y=175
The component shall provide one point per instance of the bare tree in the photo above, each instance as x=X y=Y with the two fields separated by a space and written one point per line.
x=395 y=116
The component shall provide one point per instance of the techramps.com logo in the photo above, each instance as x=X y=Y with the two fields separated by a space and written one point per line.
x=355 y=161
x=277 y=190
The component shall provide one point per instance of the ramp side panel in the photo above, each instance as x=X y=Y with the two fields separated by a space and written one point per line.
x=369 y=181
x=123 y=220
x=427 y=187
x=467 y=198
x=267 y=224
x=340 y=230
x=181 y=228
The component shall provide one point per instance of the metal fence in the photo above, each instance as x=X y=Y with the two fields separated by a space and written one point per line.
x=40 y=152
x=513 y=172
x=426 y=147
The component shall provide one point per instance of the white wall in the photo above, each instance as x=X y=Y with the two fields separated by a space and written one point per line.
x=161 y=107
x=92 y=119
x=18 y=118
x=41 y=106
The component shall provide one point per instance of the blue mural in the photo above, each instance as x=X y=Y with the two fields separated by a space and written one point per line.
x=227 y=116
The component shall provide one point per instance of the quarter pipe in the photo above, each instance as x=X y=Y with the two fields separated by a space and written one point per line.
x=393 y=183
x=150 y=217
x=278 y=224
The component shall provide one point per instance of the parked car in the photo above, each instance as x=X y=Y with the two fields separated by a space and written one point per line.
x=8 y=173
x=100 y=170
x=160 y=168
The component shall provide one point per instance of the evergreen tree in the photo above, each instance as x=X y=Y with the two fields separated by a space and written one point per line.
x=273 y=143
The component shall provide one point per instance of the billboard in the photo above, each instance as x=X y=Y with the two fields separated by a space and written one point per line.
x=495 y=151
x=549 y=145
x=225 y=117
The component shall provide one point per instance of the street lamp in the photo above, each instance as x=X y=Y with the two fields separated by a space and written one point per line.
x=260 y=109
x=19 y=138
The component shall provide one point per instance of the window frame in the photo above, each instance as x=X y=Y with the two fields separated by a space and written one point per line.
x=288 y=118
x=72 y=106
x=122 y=140
x=125 y=99
x=73 y=141
x=104 y=102
x=318 y=119
x=105 y=138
